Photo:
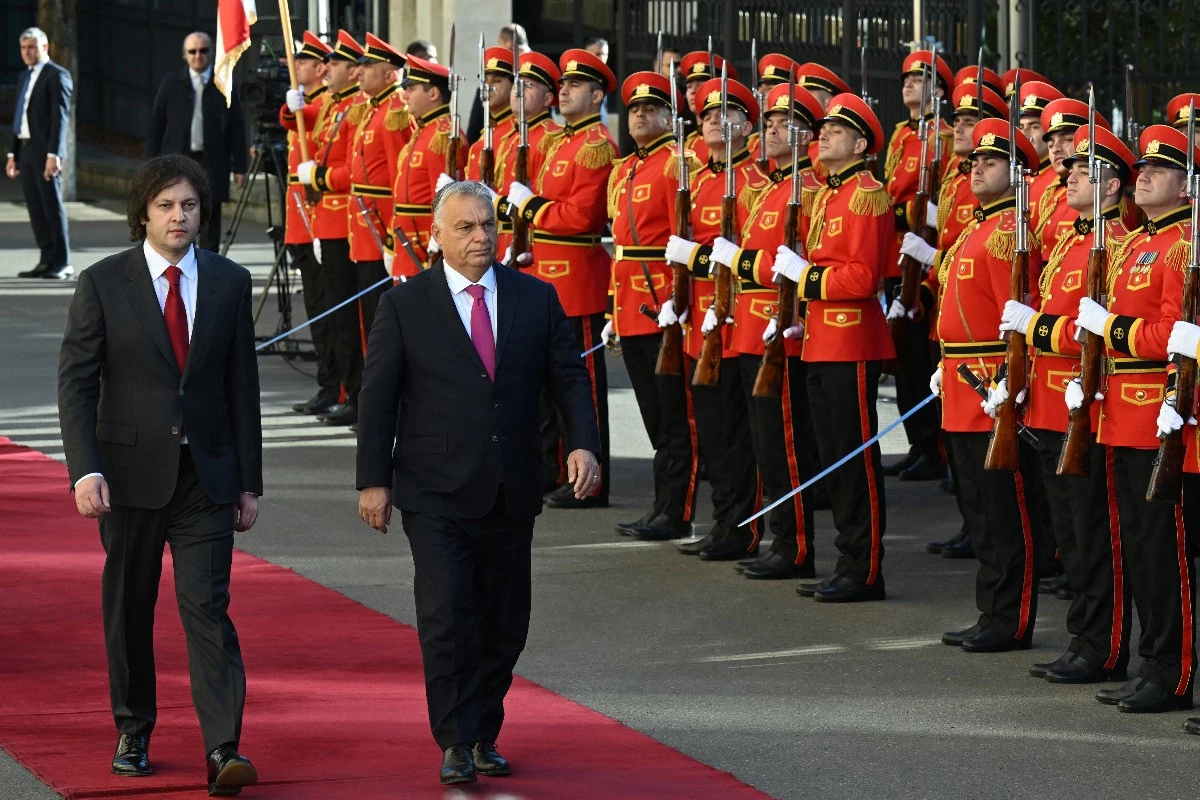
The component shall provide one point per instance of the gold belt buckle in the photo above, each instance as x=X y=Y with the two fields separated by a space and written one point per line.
x=1110 y=365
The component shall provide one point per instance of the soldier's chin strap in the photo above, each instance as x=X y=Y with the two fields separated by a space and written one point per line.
x=841 y=460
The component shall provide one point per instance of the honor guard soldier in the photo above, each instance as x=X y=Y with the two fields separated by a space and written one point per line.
x=642 y=192
x=422 y=160
x=328 y=172
x=824 y=84
x=1177 y=110
x=1009 y=79
x=970 y=76
x=772 y=69
x=1145 y=292
x=902 y=169
x=1088 y=537
x=1046 y=185
x=498 y=75
x=567 y=210
x=698 y=67
x=781 y=427
x=974 y=275
x=298 y=231
x=846 y=243
x=384 y=126
x=540 y=76
x=722 y=422
x=1055 y=217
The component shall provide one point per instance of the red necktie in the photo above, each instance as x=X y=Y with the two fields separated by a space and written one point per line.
x=176 y=317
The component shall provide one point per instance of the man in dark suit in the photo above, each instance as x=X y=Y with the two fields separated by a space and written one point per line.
x=39 y=142
x=190 y=116
x=448 y=427
x=158 y=402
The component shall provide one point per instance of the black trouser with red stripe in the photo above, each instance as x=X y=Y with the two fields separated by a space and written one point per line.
x=841 y=396
x=1082 y=510
x=1003 y=533
x=723 y=430
x=587 y=335
x=666 y=414
x=1162 y=577
x=912 y=380
x=781 y=432
x=368 y=274
x=340 y=280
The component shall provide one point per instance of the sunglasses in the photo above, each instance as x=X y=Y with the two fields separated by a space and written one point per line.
x=202 y=50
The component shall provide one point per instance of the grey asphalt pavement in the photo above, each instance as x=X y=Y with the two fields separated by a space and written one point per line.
x=798 y=699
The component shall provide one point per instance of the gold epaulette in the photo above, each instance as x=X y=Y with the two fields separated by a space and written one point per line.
x=1057 y=254
x=947 y=258
x=1002 y=241
x=893 y=158
x=398 y=118
x=808 y=196
x=870 y=198
x=816 y=209
x=440 y=142
x=1179 y=254
x=596 y=153
x=672 y=166
x=548 y=139
x=614 y=190
x=354 y=116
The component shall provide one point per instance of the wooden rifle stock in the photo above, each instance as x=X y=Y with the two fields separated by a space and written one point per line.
x=769 y=382
x=1166 y=479
x=452 y=156
x=1002 y=452
x=708 y=369
x=670 y=354
x=520 y=242
x=1074 y=457
x=487 y=167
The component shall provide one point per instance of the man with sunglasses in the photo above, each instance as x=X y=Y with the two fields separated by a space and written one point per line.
x=190 y=117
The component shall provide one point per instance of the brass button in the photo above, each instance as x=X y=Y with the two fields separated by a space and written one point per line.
x=1140 y=394
x=841 y=317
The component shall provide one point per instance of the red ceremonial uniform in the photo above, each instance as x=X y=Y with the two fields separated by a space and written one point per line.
x=334 y=131
x=902 y=171
x=506 y=167
x=1049 y=215
x=504 y=125
x=383 y=129
x=418 y=166
x=569 y=212
x=298 y=227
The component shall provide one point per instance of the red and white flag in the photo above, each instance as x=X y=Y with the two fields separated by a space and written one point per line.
x=234 y=18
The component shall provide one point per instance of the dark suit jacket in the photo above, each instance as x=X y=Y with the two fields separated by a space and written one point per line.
x=122 y=402
x=48 y=110
x=435 y=428
x=224 y=129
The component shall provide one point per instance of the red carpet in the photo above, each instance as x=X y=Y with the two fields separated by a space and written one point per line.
x=335 y=703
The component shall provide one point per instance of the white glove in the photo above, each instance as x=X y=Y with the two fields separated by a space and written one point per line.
x=317 y=250
x=306 y=171
x=935 y=381
x=1015 y=317
x=1074 y=395
x=388 y=258
x=794 y=332
x=507 y=261
x=997 y=395
x=931 y=214
x=1169 y=420
x=772 y=328
x=518 y=193
x=295 y=99
x=683 y=318
x=1184 y=339
x=918 y=249
x=666 y=314
x=724 y=251
x=897 y=310
x=607 y=334
x=434 y=248
x=1092 y=315
x=443 y=181
x=710 y=321
x=788 y=264
x=678 y=250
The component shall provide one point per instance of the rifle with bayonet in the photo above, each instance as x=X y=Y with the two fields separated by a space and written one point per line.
x=760 y=97
x=708 y=368
x=769 y=382
x=1166 y=479
x=1003 y=449
x=520 y=240
x=487 y=156
x=452 y=167
x=670 y=354
x=658 y=51
x=1075 y=455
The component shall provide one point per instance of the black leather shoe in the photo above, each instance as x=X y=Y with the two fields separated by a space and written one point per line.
x=947 y=485
x=36 y=272
x=774 y=566
x=488 y=761
x=896 y=467
x=564 y=497
x=727 y=550
x=58 y=273
x=694 y=548
x=959 y=549
x=1080 y=671
x=811 y=587
x=990 y=640
x=1111 y=697
x=843 y=590
x=1150 y=698
x=317 y=404
x=1040 y=670
x=132 y=758
x=627 y=528
x=1052 y=584
x=229 y=771
x=936 y=548
x=662 y=528
x=340 y=414
x=1065 y=593
x=458 y=765
x=956 y=638
x=1192 y=725
x=928 y=467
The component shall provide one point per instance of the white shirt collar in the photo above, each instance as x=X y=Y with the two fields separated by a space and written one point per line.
x=41 y=62
x=206 y=74
x=158 y=265
x=459 y=283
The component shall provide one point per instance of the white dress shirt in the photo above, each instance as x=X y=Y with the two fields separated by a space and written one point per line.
x=463 y=300
x=199 y=81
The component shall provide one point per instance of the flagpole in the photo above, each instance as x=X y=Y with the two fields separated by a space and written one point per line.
x=285 y=19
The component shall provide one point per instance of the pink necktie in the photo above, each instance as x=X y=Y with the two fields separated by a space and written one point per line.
x=481 y=330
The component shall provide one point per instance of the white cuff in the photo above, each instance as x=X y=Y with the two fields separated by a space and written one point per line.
x=84 y=478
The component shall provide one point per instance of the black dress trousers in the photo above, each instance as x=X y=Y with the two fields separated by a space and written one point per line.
x=44 y=201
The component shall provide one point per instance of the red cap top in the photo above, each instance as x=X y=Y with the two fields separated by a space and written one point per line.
x=498 y=61
x=1177 y=109
x=580 y=64
x=377 y=49
x=1065 y=115
x=648 y=87
x=852 y=111
x=966 y=101
x=807 y=107
x=814 y=76
x=1165 y=146
x=422 y=71
x=1035 y=96
x=312 y=47
x=708 y=97
x=695 y=67
x=1109 y=149
x=1009 y=79
x=919 y=60
x=540 y=68
x=991 y=79
x=775 y=68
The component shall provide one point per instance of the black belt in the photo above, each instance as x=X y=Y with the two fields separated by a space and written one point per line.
x=1119 y=366
x=974 y=349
